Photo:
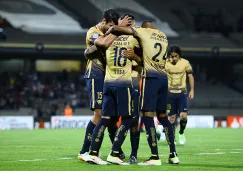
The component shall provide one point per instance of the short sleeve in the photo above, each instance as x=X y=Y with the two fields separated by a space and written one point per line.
x=188 y=68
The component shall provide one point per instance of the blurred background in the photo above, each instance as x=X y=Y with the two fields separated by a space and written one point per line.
x=42 y=62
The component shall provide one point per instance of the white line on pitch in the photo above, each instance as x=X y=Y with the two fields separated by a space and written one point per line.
x=36 y=160
x=217 y=153
x=33 y=160
x=235 y=152
x=65 y=158
x=200 y=154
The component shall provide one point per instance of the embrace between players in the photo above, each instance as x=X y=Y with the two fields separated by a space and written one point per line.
x=117 y=52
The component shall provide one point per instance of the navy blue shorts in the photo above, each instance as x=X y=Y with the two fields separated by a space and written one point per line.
x=135 y=101
x=177 y=103
x=117 y=101
x=154 y=94
x=95 y=90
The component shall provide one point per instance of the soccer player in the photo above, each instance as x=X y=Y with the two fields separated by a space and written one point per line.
x=94 y=75
x=117 y=95
x=134 y=130
x=178 y=69
x=155 y=86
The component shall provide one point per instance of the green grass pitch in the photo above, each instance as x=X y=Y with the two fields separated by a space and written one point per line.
x=217 y=149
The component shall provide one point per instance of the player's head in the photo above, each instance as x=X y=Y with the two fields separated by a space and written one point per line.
x=147 y=24
x=109 y=18
x=174 y=53
x=132 y=19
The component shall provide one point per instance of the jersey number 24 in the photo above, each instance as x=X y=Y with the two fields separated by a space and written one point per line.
x=158 y=46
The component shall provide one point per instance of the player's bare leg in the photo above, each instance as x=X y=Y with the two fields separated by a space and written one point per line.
x=183 y=122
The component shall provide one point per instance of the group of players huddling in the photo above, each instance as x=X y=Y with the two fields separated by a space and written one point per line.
x=117 y=52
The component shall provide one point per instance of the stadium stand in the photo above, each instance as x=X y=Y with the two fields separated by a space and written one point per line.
x=194 y=21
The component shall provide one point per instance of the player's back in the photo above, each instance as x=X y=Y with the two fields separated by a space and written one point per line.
x=154 y=44
x=118 y=67
x=95 y=67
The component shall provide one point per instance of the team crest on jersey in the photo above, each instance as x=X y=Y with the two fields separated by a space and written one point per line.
x=95 y=36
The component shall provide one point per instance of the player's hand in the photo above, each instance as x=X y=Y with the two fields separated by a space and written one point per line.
x=191 y=94
x=129 y=53
x=125 y=21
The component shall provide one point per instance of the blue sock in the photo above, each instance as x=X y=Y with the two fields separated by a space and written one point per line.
x=174 y=129
x=183 y=123
x=134 y=138
x=97 y=136
x=112 y=132
x=88 y=136
x=151 y=135
x=168 y=132
x=120 y=136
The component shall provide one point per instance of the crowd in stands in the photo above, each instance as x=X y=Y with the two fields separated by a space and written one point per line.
x=46 y=93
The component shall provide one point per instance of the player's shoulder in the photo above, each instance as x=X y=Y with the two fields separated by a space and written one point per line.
x=138 y=28
x=162 y=33
x=93 y=30
x=184 y=61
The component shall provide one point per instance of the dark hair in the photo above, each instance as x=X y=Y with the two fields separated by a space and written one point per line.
x=111 y=15
x=129 y=15
x=174 y=48
x=144 y=24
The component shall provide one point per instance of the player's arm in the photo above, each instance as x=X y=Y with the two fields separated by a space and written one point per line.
x=105 y=41
x=189 y=72
x=130 y=54
x=118 y=30
x=92 y=52
x=191 y=82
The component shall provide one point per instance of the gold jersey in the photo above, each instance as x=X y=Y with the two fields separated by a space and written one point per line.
x=177 y=75
x=135 y=76
x=154 y=44
x=95 y=67
x=118 y=67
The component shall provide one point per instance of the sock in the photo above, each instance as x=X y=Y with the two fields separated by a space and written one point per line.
x=183 y=123
x=88 y=136
x=168 y=132
x=120 y=136
x=112 y=132
x=151 y=134
x=97 y=136
x=134 y=138
x=174 y=129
